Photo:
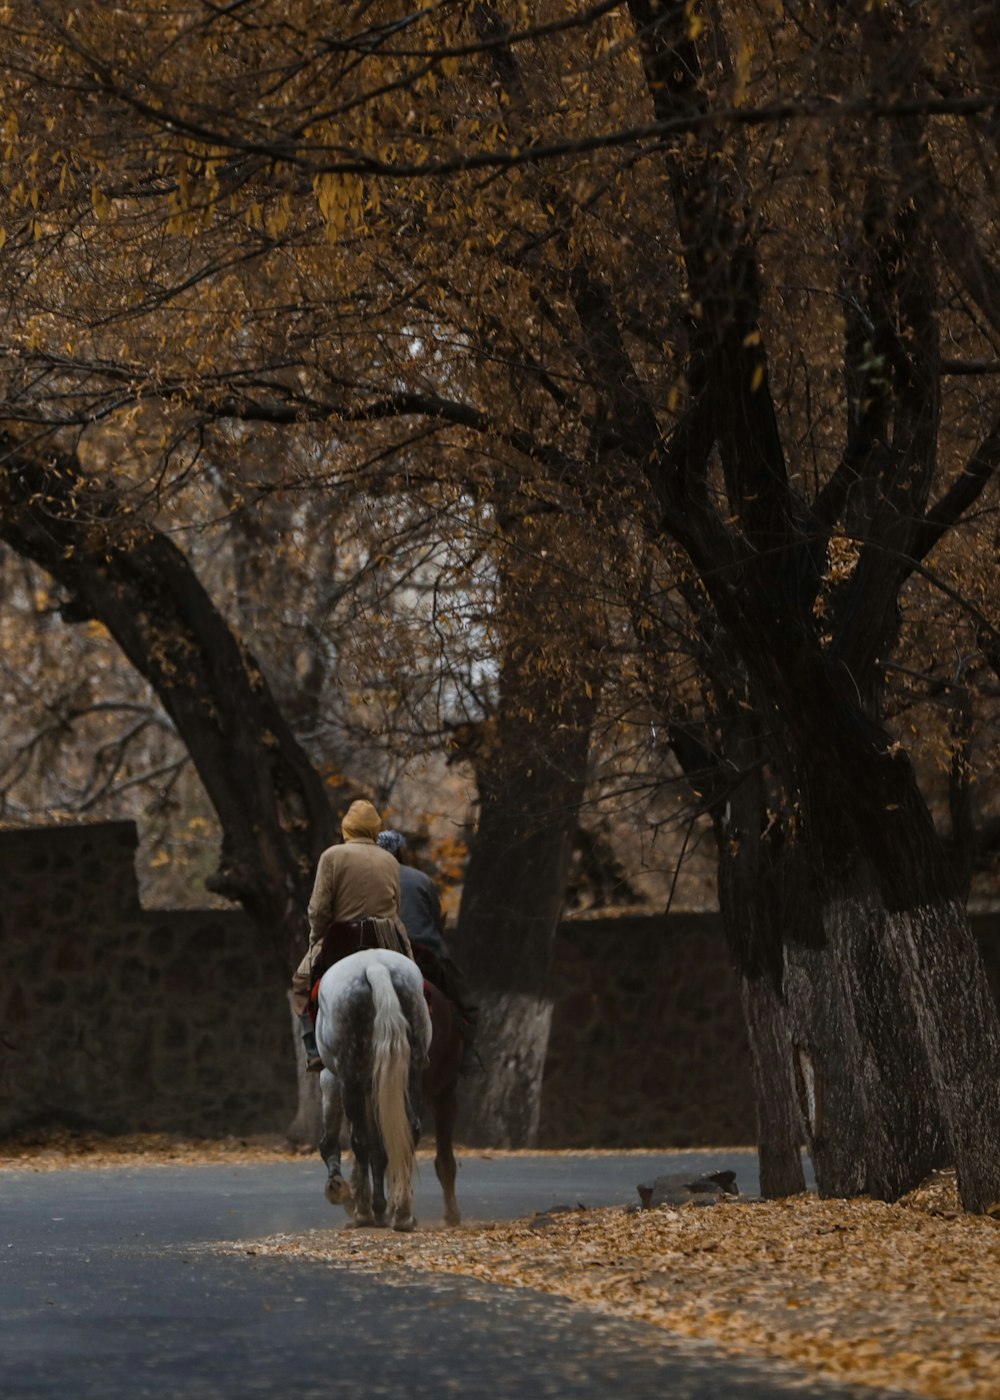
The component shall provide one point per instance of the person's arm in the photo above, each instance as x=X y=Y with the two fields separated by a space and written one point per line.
x=431 y=919
x=322 y=902
x=434 y=905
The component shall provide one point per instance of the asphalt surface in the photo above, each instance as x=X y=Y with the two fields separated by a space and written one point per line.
x=106 y=1291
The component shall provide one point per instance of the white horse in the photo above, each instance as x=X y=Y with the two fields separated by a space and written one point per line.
x=373 y=1030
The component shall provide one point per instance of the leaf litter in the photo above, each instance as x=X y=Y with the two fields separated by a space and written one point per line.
x=900 y=1297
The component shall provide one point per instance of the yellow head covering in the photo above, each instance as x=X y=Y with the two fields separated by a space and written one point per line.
x=361 y=821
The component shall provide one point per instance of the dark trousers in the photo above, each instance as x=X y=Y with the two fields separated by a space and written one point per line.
x=341 y=939
x=445 y=974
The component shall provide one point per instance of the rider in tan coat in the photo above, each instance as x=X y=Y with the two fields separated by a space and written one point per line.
x=354 y=904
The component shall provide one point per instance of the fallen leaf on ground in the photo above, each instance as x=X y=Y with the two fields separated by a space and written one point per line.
x=898 y=1297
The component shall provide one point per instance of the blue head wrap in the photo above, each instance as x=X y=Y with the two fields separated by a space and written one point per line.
x=392 y=841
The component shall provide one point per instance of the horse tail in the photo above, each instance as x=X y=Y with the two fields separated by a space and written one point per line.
x=390 y=1080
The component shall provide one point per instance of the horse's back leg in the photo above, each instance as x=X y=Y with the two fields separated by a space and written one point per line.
x=403 y=1218
x=356 y=1108
x=415 y=1095
x=337 y=1191
x=445 y=1112
x=379 y=1163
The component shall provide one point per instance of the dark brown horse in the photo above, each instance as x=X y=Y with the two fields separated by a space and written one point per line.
x=441 y=1092
x=343 y=1039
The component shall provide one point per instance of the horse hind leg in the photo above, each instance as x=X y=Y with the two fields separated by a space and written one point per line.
x=361 y=1186
x=356 y=1108
x=403 y=1218
x=378 y=1166
x=415 y=1096
x=401 y=1199
x=337 y=1191
x=445 y=1168
x=394 y=1073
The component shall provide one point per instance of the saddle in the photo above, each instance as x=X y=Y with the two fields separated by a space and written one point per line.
x=342 y=938
x=345 y=938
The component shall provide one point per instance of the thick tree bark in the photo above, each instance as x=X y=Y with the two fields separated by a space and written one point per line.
x=754 y=924
x=780 y=1134
x=735 y=792
x=531 y=770
x=306 y=1128
x=531 y=782
x=925 y=1030
x=828 y=1024
x=868 y=1103
x=896 y=1042
x=838 y=1061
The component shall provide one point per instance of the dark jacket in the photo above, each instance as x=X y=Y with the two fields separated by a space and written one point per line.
x=420 y=909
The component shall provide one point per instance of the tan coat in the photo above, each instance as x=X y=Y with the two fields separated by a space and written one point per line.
x=357 y=880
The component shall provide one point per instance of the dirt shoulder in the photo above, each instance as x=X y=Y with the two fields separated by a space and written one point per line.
x=899 y=1297
x=53 y=1150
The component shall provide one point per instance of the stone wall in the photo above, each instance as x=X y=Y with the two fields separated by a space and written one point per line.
x=118 y=1018
x=648 y=1044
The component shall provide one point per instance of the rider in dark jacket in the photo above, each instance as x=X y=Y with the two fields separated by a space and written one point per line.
x=420 y=911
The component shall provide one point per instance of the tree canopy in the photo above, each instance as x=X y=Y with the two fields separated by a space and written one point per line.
x=578 y=382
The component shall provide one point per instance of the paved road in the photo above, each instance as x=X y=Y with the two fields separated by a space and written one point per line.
x=104 y=1294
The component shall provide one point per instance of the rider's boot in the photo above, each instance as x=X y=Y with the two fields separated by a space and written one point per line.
x=313 y=1062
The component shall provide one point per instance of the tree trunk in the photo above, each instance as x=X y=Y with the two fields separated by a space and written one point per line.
x=531 y=770
x=837 y=1058
x=863 y=1086
x=919 y=1019
x=945 y=986
x=780 y=1133
x=752 y=919
x=502 y=1107
x=511 y=904
x=749 y=854
x=306 y=1128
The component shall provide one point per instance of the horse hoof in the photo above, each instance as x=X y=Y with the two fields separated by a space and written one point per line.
x=337 y=1191
x=362 y=1222
x=405 y=1224
x=452 y=1218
